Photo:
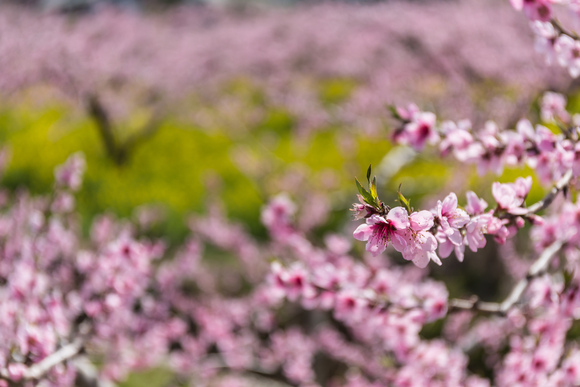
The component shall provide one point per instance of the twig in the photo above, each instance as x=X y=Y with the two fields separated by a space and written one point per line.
x=39 y=369
x=537 y=269
x=549 y=198
x=563 y=31
x=474 y=304
x=273 y=378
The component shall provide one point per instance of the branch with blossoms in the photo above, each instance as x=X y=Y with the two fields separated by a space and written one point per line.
x=418 y=234
x=422 y=226
x=537 y=313
x=490 y=148
x=18 y=372
x=537 y=269
x=556 y=42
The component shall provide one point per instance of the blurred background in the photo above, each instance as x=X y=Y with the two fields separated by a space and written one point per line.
x=185 y=107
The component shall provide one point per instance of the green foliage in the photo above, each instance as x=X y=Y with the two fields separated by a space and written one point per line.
x=334 y=91
x=183 y=167
x=155 y=377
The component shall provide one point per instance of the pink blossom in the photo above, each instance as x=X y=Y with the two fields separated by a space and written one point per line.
x=545 y=37
x=420 y=248
x=70 y=174
x=349 y=306
x=497 y=228
x=446 y=247
x=571 y=368
x=291 y=282
x=277 y=214
x=510 y=197
x=475 y=205
x=553 y=107
x=362 y=209
x=409 y=112
x=16 y=371
x=420 y=244
x=420 y=130
x=534 y=9
x=568 y=53
x=451 y=218
x=378 y=231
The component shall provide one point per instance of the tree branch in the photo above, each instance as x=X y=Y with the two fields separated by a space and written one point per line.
x=538 y=268
x=561 y=185
x=103 y=122
x=37 y=370
x=147 y=131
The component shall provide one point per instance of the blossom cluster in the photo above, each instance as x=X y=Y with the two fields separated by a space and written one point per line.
x=418 y=234
x=490 y=148
x=298 y=309
x=126 y=303
x=386 y=307
x=57 y=294
x=558 y=44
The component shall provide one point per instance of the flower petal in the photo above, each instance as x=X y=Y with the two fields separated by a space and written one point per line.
x=399 y=218
x=422 y=220
x=363 y=232
x=449 y=204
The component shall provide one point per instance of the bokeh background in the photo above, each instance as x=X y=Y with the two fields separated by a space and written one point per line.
x=185 y=108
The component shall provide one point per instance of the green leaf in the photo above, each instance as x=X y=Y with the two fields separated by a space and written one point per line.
x=360 y=188
x=369 y=174
x=373 y=187
x=394 y=112
x=404 y=201
x=368 y=198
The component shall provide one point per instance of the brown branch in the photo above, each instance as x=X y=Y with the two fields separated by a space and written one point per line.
x=563 y=31
x=98 y=113
x=118 y=152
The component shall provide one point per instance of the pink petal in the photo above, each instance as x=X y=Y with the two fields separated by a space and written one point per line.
x=504 y=195
x=421 y=260
x=517 y=4
x=454 y=236
x=363 y=232
x=445 y=249
x=375 y=248
x=459 y=253
x=458 y=219
x=449 y=204
x=522 y=186
x=399 y=242
x=399 y=218
x=429 y=243
x=435 y=258
x=475 y=205
x=422 y=220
